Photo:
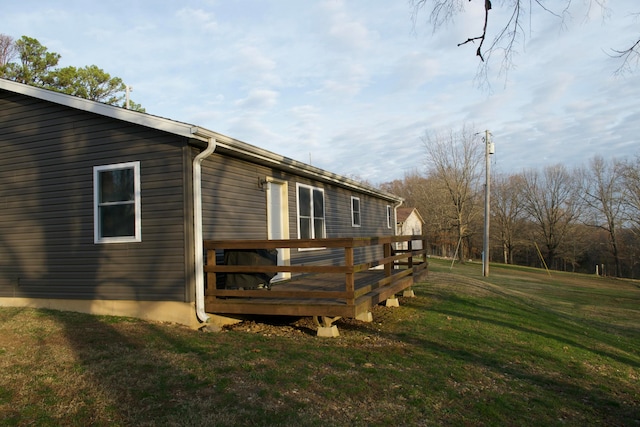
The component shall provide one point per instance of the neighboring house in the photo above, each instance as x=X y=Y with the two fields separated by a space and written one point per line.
x=409 y=222
x=104 y=210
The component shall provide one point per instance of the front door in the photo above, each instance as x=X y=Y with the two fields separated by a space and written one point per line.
x=278 y=221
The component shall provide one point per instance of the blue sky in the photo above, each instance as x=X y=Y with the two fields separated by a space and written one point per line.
x=352 y=86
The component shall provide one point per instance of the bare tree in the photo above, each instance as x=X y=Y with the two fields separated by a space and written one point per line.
x=604 y=196
x=412 y=188
x=7 y=50
x=507 y=212
x=439 y=214
x=454 y=160
x=429 y=196
x=551 y=200
x=631 y=182
x=512 y=32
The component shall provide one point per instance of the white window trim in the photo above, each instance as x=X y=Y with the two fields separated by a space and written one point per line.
x=324 y=223
x=353 y=212
x=137 y=237
x=389 y=216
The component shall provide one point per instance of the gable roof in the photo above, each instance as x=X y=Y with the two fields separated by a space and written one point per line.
x=197 y=134
x=405 y=212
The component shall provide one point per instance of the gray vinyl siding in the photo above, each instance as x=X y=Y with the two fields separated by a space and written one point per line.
x=234 y=204
x=234 y=207
x=46 y=206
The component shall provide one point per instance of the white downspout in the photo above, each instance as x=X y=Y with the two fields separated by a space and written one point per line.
x=197 y=228
x=395 y=214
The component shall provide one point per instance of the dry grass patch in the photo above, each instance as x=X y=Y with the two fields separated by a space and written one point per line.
x=465 y=351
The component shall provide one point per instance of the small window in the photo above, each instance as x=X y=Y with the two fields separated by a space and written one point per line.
x=355 y=212
x=116 y=203
x=389 y=216
x=311 y=223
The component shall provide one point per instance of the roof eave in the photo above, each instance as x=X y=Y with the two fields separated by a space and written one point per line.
x=242 y=149
x=119 y=113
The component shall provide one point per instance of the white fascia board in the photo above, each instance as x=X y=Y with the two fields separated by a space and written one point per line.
x=119 y=113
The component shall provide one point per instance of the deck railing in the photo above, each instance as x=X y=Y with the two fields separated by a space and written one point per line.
x=399 y=261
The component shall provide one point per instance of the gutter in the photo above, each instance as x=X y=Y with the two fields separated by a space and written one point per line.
x=395 y=220
x=269 y=159
x=197 y=226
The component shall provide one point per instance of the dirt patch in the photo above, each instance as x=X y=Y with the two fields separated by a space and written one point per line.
x=305 y=328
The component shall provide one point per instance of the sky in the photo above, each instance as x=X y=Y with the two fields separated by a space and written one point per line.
x=353 y=86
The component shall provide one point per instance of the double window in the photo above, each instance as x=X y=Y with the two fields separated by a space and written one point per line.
x=311 y=223
x=355 y=211
x=116 y=203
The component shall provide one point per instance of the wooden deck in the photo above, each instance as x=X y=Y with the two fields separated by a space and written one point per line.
x=328 y=291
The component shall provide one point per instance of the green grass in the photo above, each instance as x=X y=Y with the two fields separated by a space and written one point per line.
x=520 y=347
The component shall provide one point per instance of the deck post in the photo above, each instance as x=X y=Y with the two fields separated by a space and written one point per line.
x=211 y=277
x=349 y=278
x=388 y=269
x=424 y=249
x=387 y=253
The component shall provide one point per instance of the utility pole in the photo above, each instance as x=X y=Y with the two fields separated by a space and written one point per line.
x=488 y=150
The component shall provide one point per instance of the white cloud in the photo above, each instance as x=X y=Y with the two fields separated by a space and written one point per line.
x=253 y=60
x=258 y=99
x=414 y=69
x=198 y=19
x=350 y=82
x=346 y=32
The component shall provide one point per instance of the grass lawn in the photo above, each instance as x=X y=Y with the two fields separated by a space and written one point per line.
x=520 y=347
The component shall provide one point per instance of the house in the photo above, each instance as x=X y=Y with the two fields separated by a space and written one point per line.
x=409 y=222
x=105 y=210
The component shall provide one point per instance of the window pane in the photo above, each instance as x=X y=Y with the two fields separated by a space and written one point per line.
x=318 y=228
x=116 y=185
x=304 y=200
x=318 y=204
x=355 y=211
x=305 y=228
x=117 y=220
x=356 y=218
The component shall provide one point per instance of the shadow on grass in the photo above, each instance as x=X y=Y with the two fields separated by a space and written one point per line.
x=550 y=387
x=139 y=373
x=539 y=383
x=601 y=338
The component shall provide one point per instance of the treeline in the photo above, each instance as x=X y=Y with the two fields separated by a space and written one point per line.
x=27 y=61
x=585 y=219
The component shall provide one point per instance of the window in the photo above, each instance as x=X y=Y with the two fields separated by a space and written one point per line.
x=389 y=216
x=310 y=212
x=355 y=212
x=116 y=203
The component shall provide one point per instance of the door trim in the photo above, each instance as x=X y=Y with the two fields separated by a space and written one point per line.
x=284 y=254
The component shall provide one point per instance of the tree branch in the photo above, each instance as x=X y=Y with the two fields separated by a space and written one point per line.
x=487 y=8
x=632 y=54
